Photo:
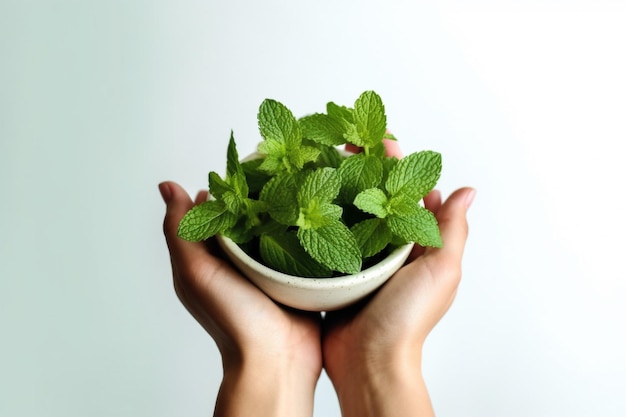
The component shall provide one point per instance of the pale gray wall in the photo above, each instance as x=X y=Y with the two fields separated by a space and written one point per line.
x=101 y=100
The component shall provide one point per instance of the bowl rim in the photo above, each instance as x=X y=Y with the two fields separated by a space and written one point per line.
x=391 y=261
x=388 y=265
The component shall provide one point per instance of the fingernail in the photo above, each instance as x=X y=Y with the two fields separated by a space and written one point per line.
x=166 y=192
x=469 y=197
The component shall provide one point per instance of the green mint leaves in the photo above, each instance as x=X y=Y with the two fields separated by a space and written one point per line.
x=321 y=231
x=283 y=140
x=397 y=204
x=206 y=220
x=231 y=212
x=304 y=208
x=370 y=120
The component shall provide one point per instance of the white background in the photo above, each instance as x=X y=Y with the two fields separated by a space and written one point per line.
x=102 y=100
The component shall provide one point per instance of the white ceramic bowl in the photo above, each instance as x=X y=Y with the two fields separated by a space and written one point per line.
x=315 y=294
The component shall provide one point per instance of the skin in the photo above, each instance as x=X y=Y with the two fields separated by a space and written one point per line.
x=373 y=351
x=272 y=356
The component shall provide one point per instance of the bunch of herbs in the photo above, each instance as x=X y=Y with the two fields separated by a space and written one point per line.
x=305 y=208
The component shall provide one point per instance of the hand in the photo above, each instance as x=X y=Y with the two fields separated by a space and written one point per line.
x=372 y=351
x=271 y=355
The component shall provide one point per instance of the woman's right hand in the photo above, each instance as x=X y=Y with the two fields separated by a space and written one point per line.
x=271 y=354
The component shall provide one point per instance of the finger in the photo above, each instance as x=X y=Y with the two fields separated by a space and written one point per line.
x=453 y=226
x=192 y=265
x=201 y=197
x=353 y=148
x=392 y=148
x=178 y=204
x=432 y=201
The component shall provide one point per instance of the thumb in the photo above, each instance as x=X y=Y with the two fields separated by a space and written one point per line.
x=178 y=203
x=453 y=225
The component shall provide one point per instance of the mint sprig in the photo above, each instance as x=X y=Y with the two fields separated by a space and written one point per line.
x=206 y=220
x=231 y=211
x=359 y=173
x=304 y=208
x=282 y=146
x=398 y=203
x=370 y=120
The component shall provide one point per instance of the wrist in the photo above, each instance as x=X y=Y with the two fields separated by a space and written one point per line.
x=266 y=387
x=391 y=385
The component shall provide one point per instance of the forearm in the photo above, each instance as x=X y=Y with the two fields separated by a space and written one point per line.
x=392 y=390
x=259 y=390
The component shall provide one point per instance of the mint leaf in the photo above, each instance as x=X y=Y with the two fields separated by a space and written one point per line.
x=303 y=155
x=352 y=135
x=420 y=228
x=370 y=119
x=340 y=112
x=234 y=202
x=249 y=223
x=217 y=186
x=284 y=253
x=233 y=166
x=280 y=195
x=234 y=189
x=416 y=174
x=317 y=214
x=235 y=175
x=239 y=183
x=318 y=190
x=322 y=243
x=329 y=157
x=330 y=211
x=324 y=129
x=378 y=150
x=322 y=185
x=372 y=236
x=277 y=123
x=255 y=207
x=403 y=205
x=273 y=163
x=282 y=146
x=373 y=201
x=273 y=147
x=389 y=136
x=359 y=172
x=205 y=220
x=279 y=158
